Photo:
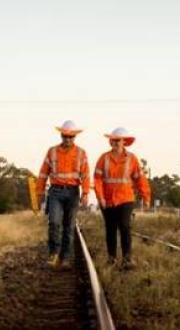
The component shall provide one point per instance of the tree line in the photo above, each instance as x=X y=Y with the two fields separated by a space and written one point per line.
x=165 y=189
x=14 y=192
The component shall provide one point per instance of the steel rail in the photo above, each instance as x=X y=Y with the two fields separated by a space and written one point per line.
x=156 y=240
x=102 y=309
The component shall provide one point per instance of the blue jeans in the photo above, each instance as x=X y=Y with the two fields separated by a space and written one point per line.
x=63 y=206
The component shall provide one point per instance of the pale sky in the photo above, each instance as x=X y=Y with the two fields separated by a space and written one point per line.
x=103 y=64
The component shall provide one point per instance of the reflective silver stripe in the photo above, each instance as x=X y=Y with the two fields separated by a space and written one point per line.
x=54 y=159
x=79 y=159
x=98 y=171
x=125 y=177
x=43 y=176
x=70 y=175
x=114 y=180
x=106 y=167
x=82 y=160
x=127 y=166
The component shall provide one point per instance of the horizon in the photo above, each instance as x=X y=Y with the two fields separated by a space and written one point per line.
x=102 y=64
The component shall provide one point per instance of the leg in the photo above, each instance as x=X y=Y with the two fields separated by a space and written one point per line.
x=111 y=231
x=70 y=211
x=56 y=213
x=124 y=218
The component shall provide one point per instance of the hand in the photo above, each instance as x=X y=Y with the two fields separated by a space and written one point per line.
x=84 y=200
x=40 y=199
x=147 y=204
x=102 y=203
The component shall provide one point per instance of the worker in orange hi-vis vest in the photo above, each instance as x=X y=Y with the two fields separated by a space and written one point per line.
x=67 y=168
x=117 y=173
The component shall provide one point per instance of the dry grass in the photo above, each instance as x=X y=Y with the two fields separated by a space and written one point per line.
x=144 y=299
x=148 y=297
x=21 y=229
x=165 y=227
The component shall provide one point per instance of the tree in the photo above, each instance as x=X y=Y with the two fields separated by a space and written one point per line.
x=14 y=192
x=164 y=189
x=174 y=196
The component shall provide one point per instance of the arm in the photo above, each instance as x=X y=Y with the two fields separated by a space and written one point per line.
x=43 y=176
x=85 y=179
x=98 y=182
x=141 y=182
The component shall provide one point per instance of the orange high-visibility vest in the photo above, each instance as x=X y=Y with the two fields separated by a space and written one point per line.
x=64 y=167
x=116 y=177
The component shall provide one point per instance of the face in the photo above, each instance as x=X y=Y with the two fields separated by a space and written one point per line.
x=67 y=140
x=117 y=144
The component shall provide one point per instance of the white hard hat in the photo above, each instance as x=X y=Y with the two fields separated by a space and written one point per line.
x=121 y=132
x=69 y=128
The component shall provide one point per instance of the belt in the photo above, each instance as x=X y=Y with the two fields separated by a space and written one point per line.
x=58 y=186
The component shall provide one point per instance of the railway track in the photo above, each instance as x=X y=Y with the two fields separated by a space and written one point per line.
x=32 y=296
x=146 y=238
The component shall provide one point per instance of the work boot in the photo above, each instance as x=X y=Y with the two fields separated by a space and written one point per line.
x=127 y=264
x=54 y=261
x=66 y=265
x=112 y=260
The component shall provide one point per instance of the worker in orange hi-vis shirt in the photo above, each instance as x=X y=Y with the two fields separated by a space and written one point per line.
x=67 y=168
x=116 y=175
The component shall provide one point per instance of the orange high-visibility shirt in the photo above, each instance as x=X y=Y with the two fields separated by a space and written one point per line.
x=64 y=167
x=116 y=178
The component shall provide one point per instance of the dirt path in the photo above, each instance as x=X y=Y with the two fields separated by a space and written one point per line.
x=34 y=297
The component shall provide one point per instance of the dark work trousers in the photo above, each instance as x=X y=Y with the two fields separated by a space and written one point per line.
x=118 y=218
x=63 y=206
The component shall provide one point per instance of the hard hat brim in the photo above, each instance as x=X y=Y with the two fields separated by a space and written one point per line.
x=128 y=140
x=68 y=131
